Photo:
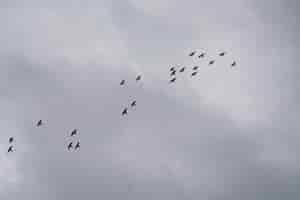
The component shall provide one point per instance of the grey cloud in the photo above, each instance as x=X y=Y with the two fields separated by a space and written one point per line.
x=177 y=143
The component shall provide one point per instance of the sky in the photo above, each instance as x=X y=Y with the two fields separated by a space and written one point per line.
x=227 y=133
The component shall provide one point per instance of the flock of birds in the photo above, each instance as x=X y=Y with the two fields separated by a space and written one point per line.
x=133 y=103
x=195 y=69
x=75 y=145
x=70 y=145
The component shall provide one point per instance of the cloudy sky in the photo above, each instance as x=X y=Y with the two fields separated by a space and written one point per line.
x=225 y=134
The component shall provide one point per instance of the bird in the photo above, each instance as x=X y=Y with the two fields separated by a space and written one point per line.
x=192 y=53
x=173 y=73
x=74 y=132
x=133 y=103
x=211 y=62
x=173 y=80
x=122 y=82
x=11 y=139
x=222 y=53
x=172 y=69
x=10 y=149
x=182 y=69
x=233 y=64
x=70 y=145
x=77 y=146
x=194 y=73
x=138 y=78
x=201 y=55
x=39 y=123
x=124 y=112
x=195 y=68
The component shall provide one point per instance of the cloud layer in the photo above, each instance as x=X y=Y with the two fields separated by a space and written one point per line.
x=228 y=134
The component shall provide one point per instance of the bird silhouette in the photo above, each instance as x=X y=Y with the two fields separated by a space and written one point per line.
x=233 y=64
x=77 y=146
x=70 y=145
x=201 y=55
x=11 y=139
x=173 y=80
x=194 y=73
x=222 y=53
x=122 y=82
x=10 y=149
x=173 y=73
x=39 y=123
x=172 y=69
x=138 y=78
x=133 y=103
x=192 y=53
x=124 y=112
x=211 y=62
x=74 y=132
x=195 y=68
x=182 y=69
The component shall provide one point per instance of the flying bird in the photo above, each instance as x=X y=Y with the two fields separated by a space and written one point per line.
x=10 y=149
x=233 y=64
x=39 y=123
x=194 y=73
x=211 y=62
x=173 y=73
x=124 y=112
x=74 y=132
x=222 y=53
x=122 y=82
x=77 y=145
x=70 y=145
x=193 y=53
x=138 y=78
x=173 y=80
x=195 y=68
x=133 y=103
x=201 y=55
x=182 y=69
x=11 y=139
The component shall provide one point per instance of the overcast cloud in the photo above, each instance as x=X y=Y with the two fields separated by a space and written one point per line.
x=227 y=134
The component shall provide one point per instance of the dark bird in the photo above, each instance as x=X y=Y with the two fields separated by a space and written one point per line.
x=74 y=132
x=77 y=145
x=11 y=139
x=10 y=149
x=133 y=104
x=124 y=112
x=70 y=145
x=193 y=53
x=182 y=69
x=138 y=78
x=195 y=68
x=172 y=80
x=233 y=64
x=172 y=69
x=201 y=55
x=222 y=54
x=122 y=82
x=39 y=123
x=194 y=73
x=211 y=62
x=173 y=73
